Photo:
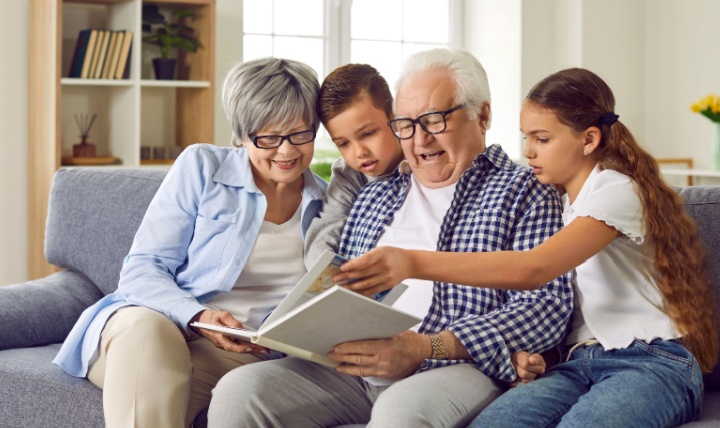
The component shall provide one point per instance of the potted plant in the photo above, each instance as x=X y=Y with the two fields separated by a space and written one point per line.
x=167 y=36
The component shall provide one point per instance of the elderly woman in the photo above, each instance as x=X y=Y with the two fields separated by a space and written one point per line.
x=221 y=242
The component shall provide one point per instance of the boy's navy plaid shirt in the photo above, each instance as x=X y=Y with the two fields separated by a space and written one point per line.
x=498 y=205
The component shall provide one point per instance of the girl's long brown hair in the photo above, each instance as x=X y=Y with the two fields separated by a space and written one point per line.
x=580 y=99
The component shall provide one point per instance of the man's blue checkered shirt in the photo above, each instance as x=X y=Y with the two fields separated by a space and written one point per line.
x=498 y=205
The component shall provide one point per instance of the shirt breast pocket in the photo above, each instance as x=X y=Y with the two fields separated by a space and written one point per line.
x=485 y=230
x=207 y=247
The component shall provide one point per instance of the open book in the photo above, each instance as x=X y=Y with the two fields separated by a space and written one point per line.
x=318 y=314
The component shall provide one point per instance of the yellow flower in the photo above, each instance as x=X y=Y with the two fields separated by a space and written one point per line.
x=708 y=106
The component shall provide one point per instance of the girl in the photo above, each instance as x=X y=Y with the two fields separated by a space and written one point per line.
x=644 y=324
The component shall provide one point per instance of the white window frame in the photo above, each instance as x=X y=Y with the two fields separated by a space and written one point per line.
x=337 y=30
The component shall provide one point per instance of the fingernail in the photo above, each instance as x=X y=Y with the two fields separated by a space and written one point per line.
x=248 y=350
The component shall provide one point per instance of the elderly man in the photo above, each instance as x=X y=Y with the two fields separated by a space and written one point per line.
x=453 y=194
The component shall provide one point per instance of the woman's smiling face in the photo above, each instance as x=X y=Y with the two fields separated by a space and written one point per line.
x=283 y=164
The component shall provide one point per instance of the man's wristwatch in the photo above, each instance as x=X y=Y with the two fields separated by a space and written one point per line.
x=438 y=347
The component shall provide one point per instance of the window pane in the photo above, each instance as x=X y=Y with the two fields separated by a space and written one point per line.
x=426 y=21
x=299 y=18
x=411 y=48
x=256 y=47
x=308 y=50
x=376 y=19
x=386 y=57
x=257 y=16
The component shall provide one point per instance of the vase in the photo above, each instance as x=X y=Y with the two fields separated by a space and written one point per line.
x=715 y=147
x=164 y=68
x=84 y=149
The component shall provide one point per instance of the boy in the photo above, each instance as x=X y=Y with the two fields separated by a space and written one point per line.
x=354 y=105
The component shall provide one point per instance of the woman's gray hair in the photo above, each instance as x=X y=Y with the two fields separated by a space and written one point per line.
x=269 y=91
x=473 y=88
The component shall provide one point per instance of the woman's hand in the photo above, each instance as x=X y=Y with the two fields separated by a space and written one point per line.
x=527 y=366
x=224 y=318
x=378 y=270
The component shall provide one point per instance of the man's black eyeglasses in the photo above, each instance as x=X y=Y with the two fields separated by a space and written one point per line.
x=273 y=141
x=432 y=123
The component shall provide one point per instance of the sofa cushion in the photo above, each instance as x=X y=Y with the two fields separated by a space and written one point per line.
x=93 y=215
x=703 y=205
x=37 y=393
x=43 y=311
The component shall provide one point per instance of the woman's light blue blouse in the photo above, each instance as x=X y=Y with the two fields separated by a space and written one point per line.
x=193 y=242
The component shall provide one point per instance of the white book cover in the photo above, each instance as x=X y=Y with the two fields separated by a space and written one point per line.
x=318 y=314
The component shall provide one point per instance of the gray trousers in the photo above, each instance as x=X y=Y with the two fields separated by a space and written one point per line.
x=296 y=393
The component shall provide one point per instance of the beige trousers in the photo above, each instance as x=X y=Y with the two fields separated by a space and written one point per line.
x=152 y=377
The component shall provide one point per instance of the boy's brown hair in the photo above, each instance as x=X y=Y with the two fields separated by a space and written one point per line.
x=349 y=82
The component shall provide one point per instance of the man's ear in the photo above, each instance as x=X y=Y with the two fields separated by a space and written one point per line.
x=484 y=116
x=591 y=139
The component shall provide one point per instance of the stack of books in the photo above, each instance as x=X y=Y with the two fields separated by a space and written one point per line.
x=102 y=54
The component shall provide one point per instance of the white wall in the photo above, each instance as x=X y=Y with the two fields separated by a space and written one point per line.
x=493 y=34
x=659 y=56
x=682 y=63
x=13 y=128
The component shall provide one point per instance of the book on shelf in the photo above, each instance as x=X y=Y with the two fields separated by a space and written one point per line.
x=102 y=54
x=105 y=73
x=78 y=57
x=114 y=54
x=89 y=53
x=319 y=314
x=96 y=54
x=122 y=70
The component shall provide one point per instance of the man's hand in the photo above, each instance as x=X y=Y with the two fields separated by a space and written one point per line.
x=378 y=270
x=224 y=318
x=395 y=358
x=527 y=366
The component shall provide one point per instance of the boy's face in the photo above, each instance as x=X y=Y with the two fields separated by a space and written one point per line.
x=364 y=139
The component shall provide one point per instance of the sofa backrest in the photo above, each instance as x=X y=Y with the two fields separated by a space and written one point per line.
x=703 y=205
x=93 y=215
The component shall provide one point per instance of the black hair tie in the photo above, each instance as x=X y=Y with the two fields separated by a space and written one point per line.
x=609 y=118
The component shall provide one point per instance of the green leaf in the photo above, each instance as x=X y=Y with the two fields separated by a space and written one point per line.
x=183 y=13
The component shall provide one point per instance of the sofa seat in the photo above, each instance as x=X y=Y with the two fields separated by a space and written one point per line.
x=38 y=393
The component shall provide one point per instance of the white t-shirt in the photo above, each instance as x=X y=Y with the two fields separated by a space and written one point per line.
x=274 y=267
x=416 y=225
x=617 y=300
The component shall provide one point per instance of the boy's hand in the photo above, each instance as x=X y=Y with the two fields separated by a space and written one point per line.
x=527 y=366
x=378 y=270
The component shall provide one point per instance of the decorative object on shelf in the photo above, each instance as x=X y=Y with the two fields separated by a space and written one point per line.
x=167 y=35
x=84 y=123
x=84 y=153
x=709 y=107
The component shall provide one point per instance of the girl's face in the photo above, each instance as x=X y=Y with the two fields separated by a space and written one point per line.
x=555 y=150
x=364 y=139
x=284 y=164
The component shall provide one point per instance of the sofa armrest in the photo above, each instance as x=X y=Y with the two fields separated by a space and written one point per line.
x=43 y=311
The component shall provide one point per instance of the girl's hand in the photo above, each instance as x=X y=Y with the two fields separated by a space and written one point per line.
x=527 y=366
x=378 y=270
x=228 y=343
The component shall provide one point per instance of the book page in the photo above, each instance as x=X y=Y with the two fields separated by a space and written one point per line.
x=245 y=334
x=314 y=282
x=337 y=315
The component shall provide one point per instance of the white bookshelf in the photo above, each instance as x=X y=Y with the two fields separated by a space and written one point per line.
x=131 y=113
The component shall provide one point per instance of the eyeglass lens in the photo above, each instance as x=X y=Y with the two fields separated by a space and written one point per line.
x=432 y=123
x=272 y=141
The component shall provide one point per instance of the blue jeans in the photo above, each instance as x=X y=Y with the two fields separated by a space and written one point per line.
x=645 y=385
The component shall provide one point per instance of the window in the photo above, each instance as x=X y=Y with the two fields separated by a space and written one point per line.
x=328 y=33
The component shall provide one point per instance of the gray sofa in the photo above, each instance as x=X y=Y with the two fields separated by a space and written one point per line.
x=93 y=216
